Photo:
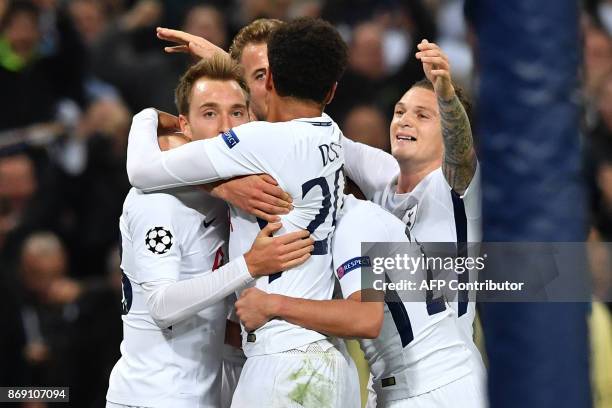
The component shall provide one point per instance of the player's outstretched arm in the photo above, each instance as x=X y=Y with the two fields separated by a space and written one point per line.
x=347 y=318
x=187 y=43
x=459 y=164
x=170 y=301
x=151 y=169
x=370 y=168
x=244 y=150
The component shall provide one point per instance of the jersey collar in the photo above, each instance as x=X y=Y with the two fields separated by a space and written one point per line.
x=406 y=201
x=323 y=120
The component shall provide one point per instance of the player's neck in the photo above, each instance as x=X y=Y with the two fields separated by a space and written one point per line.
x=282 y=109
x=411 y=175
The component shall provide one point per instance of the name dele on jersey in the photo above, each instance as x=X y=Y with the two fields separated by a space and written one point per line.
x=159 y=240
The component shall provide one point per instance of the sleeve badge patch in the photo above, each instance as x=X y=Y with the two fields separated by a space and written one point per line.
x=159 y=240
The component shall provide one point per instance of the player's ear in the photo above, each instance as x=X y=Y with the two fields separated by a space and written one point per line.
x=185 y=127
x=269 y=81
x=330 y=94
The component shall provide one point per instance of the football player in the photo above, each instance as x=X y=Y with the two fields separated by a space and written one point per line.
x=432 y=179
x=415 y=350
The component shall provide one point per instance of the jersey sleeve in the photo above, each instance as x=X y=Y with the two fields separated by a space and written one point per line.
x=155 y=233
x=348 y=271
x=252 y=148
x=171 y=302
x=150 y=169
x=347 y=256
x=370 y=168
x=472 y=196
x=370 y=224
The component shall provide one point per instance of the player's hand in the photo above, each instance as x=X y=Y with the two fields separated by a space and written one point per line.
x=187 y=43
x=437 y=68
x=269 y=254
x=254 y=308
x=258 y=195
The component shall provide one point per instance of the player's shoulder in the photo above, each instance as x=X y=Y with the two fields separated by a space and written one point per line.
x=140 y=202
x=440 y=180
x=372 y=219
x=260 y=128
x=281 y=129
x=257 y=133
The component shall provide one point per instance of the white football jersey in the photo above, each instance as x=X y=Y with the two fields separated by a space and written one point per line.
x=432 y=210
x=169 y=236
x=305 y=157
x=420 y=346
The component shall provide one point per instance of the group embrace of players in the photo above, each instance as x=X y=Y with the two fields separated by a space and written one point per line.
x=252 y=135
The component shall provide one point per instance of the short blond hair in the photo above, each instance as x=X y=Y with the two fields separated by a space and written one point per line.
x=219 y=67
x=258 y=32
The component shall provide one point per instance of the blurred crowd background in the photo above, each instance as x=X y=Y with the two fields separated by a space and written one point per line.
x=73 y=72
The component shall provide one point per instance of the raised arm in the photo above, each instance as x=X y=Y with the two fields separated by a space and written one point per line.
x=347 y=318
x=459 y=163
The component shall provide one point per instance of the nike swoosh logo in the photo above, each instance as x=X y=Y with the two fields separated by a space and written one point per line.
x=207 y=224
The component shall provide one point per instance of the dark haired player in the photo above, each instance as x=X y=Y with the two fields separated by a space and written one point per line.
x=286 y=364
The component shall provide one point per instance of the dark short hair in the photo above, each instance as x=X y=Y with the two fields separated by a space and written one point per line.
x=258 y=32
x=219 y=67
x=307 y=57
x=459 y=91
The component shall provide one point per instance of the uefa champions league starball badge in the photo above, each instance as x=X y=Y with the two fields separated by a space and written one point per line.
x=159 y=240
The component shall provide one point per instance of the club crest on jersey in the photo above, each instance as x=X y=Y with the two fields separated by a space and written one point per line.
x=410 y=216
x=358 y=262
x=230 y=138
x=159 y=240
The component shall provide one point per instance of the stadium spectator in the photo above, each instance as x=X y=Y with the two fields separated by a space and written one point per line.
x=373 y=75
x=208 y=22
x=366 y=51
x=598 y=159
x=597 y=64
x=46 y=316
x=18 y=212
x=93 y=190
x=34 y=67
x=367 y=124
x=89 y=18
x=128 y=57
x=17 y=185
